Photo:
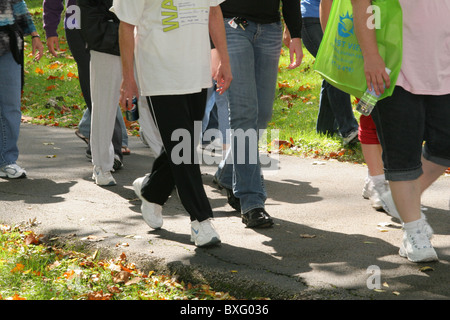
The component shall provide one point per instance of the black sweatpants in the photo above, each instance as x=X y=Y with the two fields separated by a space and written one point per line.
x=171 y=113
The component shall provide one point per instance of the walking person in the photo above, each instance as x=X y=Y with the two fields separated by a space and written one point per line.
x=52 y=10
x=418 y=111
x=335 y=108
x=15 y=23
x=100 y=30
x=254 y=39
x=172 y=55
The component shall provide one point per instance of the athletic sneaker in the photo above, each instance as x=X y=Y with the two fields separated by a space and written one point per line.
x=151 y=212
x=372 y=191
x=352 y=137
x=389 y=205
x=416 y=245
x=203 y=233
x=117 y=162
x=12 y=171
x=102 y=178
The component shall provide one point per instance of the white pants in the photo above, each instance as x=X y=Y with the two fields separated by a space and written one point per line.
x=106 y=77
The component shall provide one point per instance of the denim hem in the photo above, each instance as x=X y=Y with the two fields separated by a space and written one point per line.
x=244 y=211
x=435 y=159
x=404 y=175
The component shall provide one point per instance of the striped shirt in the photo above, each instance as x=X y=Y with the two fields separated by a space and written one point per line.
x=14 y=11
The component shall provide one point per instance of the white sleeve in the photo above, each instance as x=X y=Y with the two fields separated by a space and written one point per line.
x=128 y=11
x=214 y=3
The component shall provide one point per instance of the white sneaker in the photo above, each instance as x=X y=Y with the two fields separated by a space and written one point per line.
x=102 y=178
x=203 y=233
x=416 y=245
x=389 y=205
x=12 y=171
x=373 y=191
x=391 y=209
x=151 y=212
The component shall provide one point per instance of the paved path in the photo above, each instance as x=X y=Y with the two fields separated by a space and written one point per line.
x=325 y=238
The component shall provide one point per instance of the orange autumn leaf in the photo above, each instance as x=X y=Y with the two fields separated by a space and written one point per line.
x=69 y=274
x=283 y=85
x=304 y=87
x=17 y=297
x=50 y=88
x=55 y=77
x=39 y=70
x=54 y=65
x=72 y=75
x=19 y=267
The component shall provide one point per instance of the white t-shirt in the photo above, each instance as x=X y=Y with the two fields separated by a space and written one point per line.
x=172 y=47
x=426 y=47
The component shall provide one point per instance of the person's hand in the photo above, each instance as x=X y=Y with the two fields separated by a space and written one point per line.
x=286 y=37
x=223 y=77
x=37 y=48
x=376 y=75
x=295 y=52
x=128 y=90
x=53 y=45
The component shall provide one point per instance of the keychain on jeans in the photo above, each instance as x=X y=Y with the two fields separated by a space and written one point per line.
x=238 y=21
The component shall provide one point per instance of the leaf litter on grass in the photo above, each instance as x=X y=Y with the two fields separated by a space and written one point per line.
x=30 y=269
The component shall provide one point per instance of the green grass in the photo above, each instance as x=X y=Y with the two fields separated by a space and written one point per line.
x=32 y=270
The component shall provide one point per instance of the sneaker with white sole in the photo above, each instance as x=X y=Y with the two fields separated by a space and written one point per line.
x=389 y=205
x=151 y=212
x=12 y=171
x=416 y=245
x=373 y=191
x=351 y=138
x=203 y=233
x=102 y=178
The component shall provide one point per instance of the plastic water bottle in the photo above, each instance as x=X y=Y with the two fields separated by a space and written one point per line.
x=369 y=100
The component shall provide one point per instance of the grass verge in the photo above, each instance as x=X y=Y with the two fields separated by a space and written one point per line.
x=33 y=270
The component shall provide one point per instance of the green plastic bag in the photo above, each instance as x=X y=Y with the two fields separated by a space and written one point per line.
x=339 y=59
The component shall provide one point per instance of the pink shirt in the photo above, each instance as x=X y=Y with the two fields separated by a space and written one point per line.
x=426 y=47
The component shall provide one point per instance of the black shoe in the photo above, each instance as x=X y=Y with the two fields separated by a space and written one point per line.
x=257 y=218
x=234 y=202
x=117 y=162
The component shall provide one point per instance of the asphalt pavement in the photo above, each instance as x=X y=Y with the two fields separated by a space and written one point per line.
x=327 y=243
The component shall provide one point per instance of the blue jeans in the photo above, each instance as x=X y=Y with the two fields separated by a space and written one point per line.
x=10 y=114
x=85 y=125
x=335 y=108
x=254 y=57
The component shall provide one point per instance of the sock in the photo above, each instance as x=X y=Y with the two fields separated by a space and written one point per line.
x=413 y=225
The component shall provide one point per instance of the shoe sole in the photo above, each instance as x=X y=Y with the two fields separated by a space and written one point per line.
x=429 y=258
x=213 y=242
x=7 y=176
x=109 y=184
x=257 y=224
x=137 y=190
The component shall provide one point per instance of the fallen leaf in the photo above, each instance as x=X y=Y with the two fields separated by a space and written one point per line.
x=133 y=281
x=31 y=239
x=307 y=236
x=426 y=269
x=121 y=277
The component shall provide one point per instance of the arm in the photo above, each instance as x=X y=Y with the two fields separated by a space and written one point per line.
x=292 y=35
x=374 y=65
x=128 y=88
x=23 y=18
x=52 y=16
x=324 y=9
x=223 y=74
